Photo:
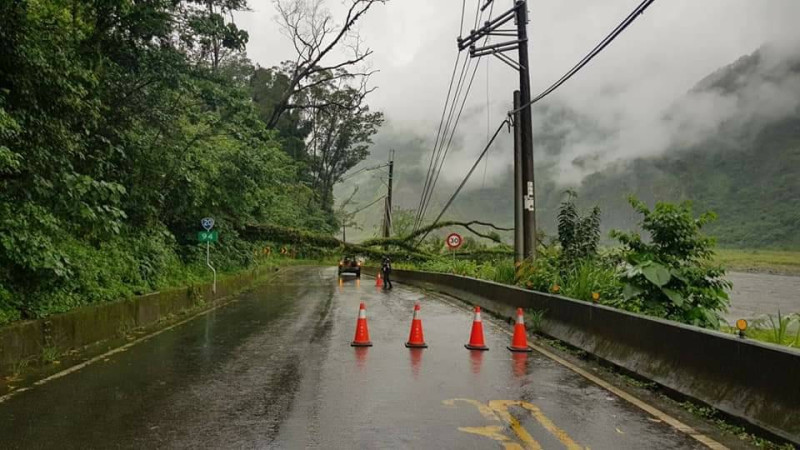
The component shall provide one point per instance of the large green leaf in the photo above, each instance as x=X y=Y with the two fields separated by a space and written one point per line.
x=630 y=291
x=656 y=274
x=677 y=274
x=675 y=296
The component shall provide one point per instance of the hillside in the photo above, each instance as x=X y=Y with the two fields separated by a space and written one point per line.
x=748 y=172
x=735 y=149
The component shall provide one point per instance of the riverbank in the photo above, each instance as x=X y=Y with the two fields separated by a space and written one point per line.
x=776 y=262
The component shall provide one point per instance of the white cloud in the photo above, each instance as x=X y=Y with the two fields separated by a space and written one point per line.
x=626 y=91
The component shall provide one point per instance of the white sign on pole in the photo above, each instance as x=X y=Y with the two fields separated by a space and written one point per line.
x=207 y=223
x=454 y=241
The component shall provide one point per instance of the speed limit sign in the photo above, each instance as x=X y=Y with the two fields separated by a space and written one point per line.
x=454 y=240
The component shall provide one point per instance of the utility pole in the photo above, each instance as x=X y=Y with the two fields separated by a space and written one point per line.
x=519 y=253
x=523 y=120
x=387 y=213
x=526 y=135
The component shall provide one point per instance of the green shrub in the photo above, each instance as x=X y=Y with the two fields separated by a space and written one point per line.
x=672 y=276
x=578 y=235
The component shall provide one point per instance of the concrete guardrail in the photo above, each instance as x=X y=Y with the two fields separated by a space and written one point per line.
x=95 y=323
x=757 y=382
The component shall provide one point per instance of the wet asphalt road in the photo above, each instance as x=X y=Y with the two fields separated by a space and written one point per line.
x=275 y=370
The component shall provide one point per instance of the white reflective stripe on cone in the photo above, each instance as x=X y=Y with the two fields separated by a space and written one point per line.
x=362 y=313
x=477 y=317
x=521 y=319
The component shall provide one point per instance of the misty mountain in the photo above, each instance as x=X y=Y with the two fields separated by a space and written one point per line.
x=731 y=144
x=746 y=168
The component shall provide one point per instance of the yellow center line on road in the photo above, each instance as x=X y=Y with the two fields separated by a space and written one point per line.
x=485 y=410
x=653 y=411
x=501 y=407
x=493 y=432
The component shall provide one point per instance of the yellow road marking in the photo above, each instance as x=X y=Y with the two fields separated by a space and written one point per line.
x=501 y=407
x=485 y=411
x=655 y=412
x=493 y=432
x=498 y=409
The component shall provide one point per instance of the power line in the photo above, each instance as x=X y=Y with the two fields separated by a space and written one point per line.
x=466 y=178
x=436 y=149
x=450 y=140
x=367 y=206
x=597 y=49
x=441 y=121
x=438 y=144
x=365 y=169
x=440 y=149
x=440 y=154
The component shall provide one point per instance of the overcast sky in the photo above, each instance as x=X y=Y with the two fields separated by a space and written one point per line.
x=654 y=62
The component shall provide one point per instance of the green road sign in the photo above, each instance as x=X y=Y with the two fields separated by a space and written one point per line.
x=207 y=236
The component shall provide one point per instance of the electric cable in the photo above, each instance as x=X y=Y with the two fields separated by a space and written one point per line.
x=466 y=178
x=597 y=49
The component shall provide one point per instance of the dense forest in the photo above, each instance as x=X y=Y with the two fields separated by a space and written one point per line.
x=122 y=123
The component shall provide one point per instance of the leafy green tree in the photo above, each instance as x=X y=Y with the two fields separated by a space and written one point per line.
x=672 y=275
x=403 y=221
x=121 y=124
x=341 y=133
x=207 y=34
x=578 y=235
x=268 y=86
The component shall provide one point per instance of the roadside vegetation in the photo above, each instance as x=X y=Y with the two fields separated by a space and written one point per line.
x=781 y=329
x=670 y=275
x=122 y=124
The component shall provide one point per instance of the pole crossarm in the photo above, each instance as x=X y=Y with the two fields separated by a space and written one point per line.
x=493 y=48
x=488 y=27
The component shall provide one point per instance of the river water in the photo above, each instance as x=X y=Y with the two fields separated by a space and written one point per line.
x=758 y=294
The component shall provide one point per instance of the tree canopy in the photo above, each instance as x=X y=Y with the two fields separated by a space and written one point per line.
x=123 y=123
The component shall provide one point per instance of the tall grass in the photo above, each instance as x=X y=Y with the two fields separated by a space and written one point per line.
x=501 y=271
x=588 y=279
x=534 y=319
x=777 y=329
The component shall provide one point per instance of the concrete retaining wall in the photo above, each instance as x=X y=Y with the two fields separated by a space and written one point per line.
x=95 y=323
x=757 y=382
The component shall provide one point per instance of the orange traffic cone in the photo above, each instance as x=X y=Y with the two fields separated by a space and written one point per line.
x=415 y=338
x=362 y=332
x=476 y=337
x=519 y=343
x=378 y=280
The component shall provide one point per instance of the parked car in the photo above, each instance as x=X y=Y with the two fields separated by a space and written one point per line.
x=350 y=264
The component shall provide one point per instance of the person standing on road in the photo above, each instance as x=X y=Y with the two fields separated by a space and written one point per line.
x=386 y=269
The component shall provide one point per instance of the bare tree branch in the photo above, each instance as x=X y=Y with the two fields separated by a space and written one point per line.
x=308 y=25
x=403 y=241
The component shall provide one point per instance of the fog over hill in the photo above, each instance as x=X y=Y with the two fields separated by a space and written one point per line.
x=731 y=144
